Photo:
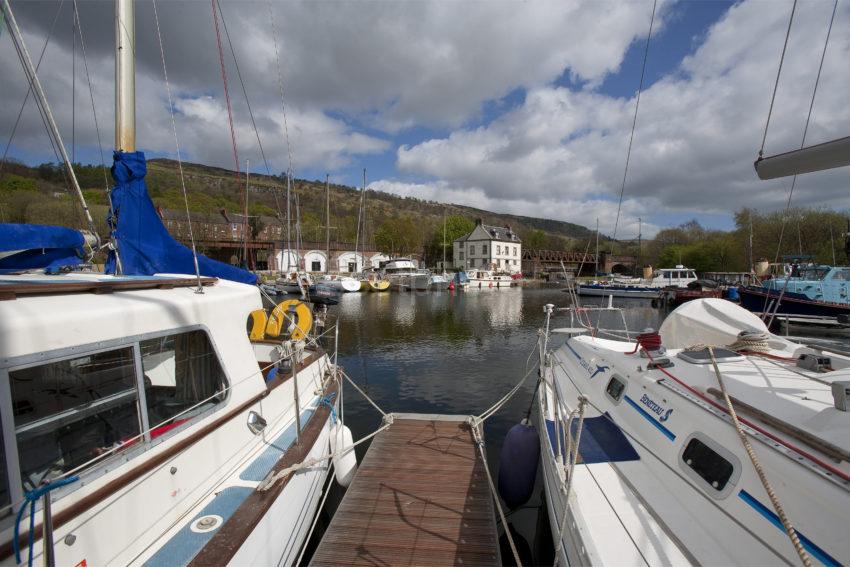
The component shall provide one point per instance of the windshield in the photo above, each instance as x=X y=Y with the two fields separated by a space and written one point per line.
x=813 y=273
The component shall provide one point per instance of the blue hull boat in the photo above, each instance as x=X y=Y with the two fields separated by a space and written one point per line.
x=759 y=299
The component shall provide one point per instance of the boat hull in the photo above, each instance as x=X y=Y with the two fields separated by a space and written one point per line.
x=619 y=291
x=758 y=300
x=380 y=285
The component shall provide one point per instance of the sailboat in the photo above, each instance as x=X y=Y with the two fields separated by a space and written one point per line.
x=142 y=424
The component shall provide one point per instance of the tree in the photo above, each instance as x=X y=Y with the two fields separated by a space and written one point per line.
x=456 y=226
x=536 y=240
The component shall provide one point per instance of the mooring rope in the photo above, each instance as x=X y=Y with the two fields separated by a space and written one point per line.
x=774 y=499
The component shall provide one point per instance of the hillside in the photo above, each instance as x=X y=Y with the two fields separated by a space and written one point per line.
x=38 y=194
x=207 y=184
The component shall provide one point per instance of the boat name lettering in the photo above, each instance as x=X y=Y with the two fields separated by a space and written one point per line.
x=656 y=408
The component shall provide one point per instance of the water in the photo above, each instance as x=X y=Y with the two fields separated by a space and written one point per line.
x=455 y=353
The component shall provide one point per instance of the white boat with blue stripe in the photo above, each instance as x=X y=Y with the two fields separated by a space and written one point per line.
x=644 y=464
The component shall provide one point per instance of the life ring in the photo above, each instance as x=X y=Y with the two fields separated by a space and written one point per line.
x=259 y=320
x=294 y=316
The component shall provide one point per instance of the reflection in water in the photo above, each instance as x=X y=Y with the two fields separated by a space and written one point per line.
x=456 y=353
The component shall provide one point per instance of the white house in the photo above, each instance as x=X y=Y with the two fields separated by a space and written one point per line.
x=489 y=247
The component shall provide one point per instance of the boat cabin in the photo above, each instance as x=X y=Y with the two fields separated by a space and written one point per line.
x=679 y=276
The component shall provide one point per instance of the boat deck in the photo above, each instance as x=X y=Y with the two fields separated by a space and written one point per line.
x=420 y=497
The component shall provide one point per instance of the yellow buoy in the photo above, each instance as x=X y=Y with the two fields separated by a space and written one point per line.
x=292 y=316
x=259 y=319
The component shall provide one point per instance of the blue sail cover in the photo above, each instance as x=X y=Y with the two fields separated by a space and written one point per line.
x=32 y=246
x=144 y=244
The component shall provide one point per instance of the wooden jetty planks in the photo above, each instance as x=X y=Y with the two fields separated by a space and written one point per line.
x=420 y=497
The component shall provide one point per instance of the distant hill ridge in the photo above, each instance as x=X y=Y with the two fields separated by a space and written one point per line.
x=218 y=182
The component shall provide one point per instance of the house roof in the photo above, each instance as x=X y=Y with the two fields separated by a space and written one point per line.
x=501 y=233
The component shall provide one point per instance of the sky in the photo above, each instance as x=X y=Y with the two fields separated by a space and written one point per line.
x=515 y=107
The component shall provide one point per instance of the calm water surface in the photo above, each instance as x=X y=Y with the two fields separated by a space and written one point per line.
x=455 y=353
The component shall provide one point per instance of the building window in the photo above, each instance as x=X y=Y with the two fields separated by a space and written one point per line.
x=515 y=251
x=515 y=262
x=471 y=249
x=498 y=249
x=69 y=412
x=484 y=249
x=316 y=266
x=460 y=255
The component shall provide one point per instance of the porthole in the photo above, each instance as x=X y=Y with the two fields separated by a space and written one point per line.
x=713 y=467
x=615 y=388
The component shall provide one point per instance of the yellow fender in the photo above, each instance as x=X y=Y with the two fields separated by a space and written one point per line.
x=259 y=319
x=284 y=313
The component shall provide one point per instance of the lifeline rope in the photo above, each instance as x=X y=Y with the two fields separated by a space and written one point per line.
x=634 y=124
x=571 y=463
x=774 y=499
x=479 y=443
x=177 y=146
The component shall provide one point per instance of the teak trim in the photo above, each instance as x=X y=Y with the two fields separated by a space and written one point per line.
x=230 y=537
x=24 y=287
x=88 y=502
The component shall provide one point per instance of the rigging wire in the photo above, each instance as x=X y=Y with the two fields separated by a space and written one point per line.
x=802 y=145
x=634 y=124
x=91 y=96
x=47 y=118
x=285 y=133
x=778 y=73
x=200 y=288
x=29 y=87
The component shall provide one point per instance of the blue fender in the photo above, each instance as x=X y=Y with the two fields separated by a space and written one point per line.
x=518 y=464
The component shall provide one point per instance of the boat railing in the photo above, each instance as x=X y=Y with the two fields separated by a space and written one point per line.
x=580 y=317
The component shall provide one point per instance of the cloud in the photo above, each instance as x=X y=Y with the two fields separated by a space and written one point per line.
x=561 y=152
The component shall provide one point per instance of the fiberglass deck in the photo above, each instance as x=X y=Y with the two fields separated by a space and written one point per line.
x=420 y=497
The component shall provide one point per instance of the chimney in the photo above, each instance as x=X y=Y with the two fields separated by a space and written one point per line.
x=224 y=214
x=478 y=222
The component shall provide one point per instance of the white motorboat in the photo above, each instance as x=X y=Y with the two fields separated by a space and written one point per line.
x=439 y=282
x=639 y=440
x=487 y=279
x=400 y=272
x=679 y=276
x=341 y=283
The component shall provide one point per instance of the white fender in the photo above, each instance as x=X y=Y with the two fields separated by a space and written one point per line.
x=345 y=462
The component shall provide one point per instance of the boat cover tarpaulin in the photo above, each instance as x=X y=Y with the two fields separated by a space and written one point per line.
x=710 y=321
x=144 y=244
x=31 y=246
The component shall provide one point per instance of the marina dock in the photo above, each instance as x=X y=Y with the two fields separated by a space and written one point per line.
x=420 y=497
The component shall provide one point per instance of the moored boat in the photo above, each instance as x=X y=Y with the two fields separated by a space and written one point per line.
x=809 y=291
x=341 y=283
x=644 y=463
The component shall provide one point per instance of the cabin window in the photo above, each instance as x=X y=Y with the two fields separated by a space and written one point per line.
x=708 y=464
x=182 y=378
x=615 y=388
x=5 y=497
x=69 y=412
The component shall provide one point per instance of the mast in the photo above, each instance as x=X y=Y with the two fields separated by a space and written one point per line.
x=444 y=240
x=125 y=76
x=245 y=216
x=327 y=223
x=752 y=264
x=596 y=268
x=288 y=217
x=640 y=236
